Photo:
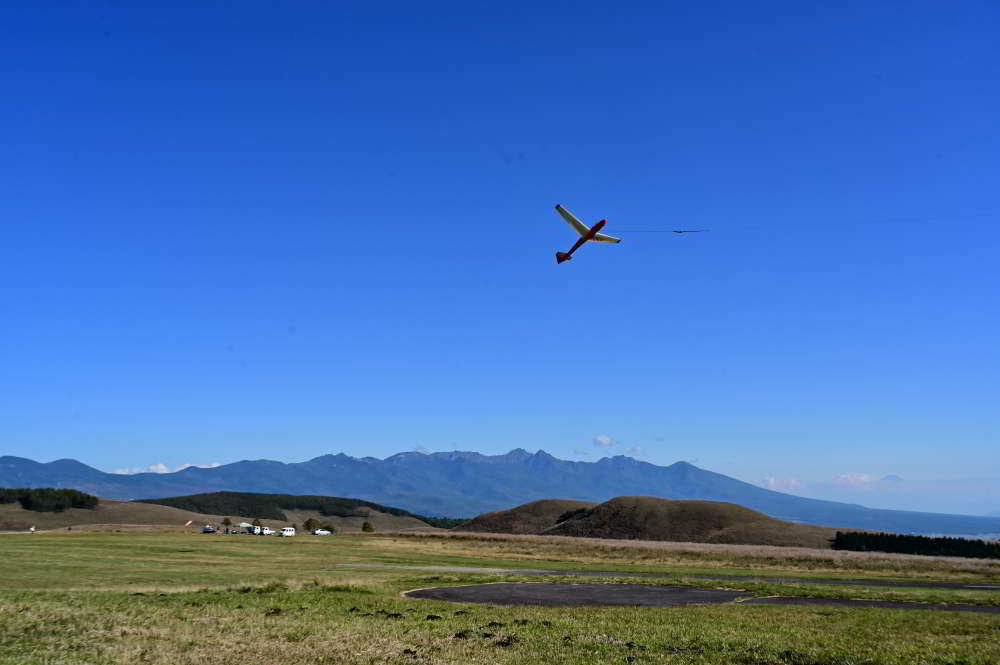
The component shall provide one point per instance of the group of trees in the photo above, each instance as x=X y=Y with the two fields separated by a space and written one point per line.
x=47 y=499
x=443 y=522
x=313 y=524
x=860 y=541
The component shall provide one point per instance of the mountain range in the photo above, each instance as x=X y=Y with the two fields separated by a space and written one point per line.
x=465 y=484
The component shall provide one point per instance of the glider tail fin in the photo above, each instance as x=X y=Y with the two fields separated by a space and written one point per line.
x=562 y=256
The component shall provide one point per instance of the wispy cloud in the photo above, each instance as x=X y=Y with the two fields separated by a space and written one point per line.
x=635 y=451
x=964 y=496
x=781 y=484
x=604 y=441
x=210 y=465
x=160 y=467
x=854 y=479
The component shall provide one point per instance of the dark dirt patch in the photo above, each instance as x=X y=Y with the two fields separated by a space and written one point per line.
x=506 y=641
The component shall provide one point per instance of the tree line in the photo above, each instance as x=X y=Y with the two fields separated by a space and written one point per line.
x=47 y=499
x=272 y=506
x=860 y=541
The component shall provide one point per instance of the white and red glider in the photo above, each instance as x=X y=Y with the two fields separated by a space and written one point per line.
x=586 y=233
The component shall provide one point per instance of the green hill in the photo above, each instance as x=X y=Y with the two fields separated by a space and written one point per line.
x=651 y=518
x=120 y=515
x=529 y=518
x=107 y=514
x=287 y=506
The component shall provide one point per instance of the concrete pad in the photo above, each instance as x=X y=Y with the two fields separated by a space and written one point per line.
x=505 y=593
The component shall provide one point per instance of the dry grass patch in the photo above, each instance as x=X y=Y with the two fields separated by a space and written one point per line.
x=264 y=601
x=701 y=556
x=312 y=626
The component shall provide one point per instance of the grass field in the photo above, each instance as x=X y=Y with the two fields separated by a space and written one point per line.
x=192 y=598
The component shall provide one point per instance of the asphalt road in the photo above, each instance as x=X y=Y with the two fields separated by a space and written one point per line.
x=537 y=593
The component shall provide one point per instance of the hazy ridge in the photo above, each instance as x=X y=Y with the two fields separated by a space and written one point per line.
x=464 y=484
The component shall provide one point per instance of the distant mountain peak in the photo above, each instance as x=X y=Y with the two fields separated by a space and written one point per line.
x=519 y=454
x=331 y=456
x=617 y=460
x=515 y=455
x=459 y=455
x=11 y=459
x=403 y=456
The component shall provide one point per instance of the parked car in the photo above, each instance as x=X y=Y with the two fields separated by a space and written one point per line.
x=321 y=532
x=287 y=531
x=266 y=531
x=208 y=528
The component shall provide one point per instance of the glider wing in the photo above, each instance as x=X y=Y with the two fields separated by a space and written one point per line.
x=577 y=225
x=600 y=237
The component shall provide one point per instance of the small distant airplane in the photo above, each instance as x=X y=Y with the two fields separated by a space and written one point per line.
x=586 y=233
x=690 y=230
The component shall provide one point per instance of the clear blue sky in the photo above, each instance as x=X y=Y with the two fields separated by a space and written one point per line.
x=246 y=230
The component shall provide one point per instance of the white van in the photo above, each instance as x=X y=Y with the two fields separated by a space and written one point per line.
x=287 y=531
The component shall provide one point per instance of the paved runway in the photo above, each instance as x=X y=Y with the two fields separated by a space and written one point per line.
x=536 y=593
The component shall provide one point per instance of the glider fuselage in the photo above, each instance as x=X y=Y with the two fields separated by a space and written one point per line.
x=589 y=235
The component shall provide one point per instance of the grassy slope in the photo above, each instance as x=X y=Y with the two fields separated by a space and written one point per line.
x=184 y=598
x=650 y=518
x=532 y=517
x=110 y=514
